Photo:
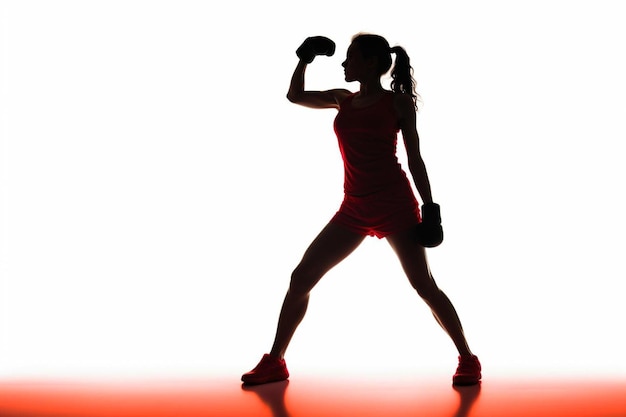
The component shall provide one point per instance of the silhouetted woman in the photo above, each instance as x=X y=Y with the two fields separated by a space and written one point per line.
x=378 y=199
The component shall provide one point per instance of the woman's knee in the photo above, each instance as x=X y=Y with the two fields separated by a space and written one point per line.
x=426 y=288
x=303 y=279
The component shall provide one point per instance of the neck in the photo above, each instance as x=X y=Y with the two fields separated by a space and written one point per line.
x=371 y=88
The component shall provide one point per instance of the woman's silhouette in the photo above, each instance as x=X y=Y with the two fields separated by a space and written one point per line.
x=378 y=199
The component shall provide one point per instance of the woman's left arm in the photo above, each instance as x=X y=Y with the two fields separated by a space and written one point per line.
x=405 y=109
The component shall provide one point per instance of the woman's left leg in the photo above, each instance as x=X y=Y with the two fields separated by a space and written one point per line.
x=413 y=259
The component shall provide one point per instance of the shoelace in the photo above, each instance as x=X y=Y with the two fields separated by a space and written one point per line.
x=467 y=366
x=267 y=363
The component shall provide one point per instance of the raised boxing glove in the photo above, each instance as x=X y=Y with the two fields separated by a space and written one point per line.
x=313 y=46
x=429 y=231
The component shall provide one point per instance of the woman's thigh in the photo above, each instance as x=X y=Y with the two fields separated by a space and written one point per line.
x=332 y=245
x=413 y=259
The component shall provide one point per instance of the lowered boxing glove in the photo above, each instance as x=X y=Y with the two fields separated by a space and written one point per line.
x=313 y=46
x=429 y=231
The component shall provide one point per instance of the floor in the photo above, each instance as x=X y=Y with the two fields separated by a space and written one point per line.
x=314 y=396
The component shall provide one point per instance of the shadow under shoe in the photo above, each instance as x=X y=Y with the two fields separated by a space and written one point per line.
x=273 y=395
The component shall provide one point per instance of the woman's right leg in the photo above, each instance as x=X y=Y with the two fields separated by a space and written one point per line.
x=331 y=246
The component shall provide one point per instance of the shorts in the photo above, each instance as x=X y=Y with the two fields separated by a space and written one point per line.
x=380 y=214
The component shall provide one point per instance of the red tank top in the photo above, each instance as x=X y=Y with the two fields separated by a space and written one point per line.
x=368 y=138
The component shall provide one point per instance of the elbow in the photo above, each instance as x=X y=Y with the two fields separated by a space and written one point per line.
x=292 y=97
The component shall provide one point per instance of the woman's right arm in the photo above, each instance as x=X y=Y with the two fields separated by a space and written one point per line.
x=315 y=99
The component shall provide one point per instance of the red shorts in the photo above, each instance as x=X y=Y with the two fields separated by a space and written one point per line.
x=379 y=214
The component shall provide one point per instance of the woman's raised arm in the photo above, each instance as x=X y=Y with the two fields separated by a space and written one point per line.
x=313 y=99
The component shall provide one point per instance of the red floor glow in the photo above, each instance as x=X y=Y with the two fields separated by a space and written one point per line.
x=305 y=397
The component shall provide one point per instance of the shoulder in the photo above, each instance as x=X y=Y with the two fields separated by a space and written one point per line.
x=405 y=109
x=403 y=102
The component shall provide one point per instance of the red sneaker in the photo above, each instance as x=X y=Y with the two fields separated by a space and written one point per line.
x=269 y=369
x=468 y=372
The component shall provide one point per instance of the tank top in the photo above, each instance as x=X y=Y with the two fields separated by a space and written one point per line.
x=368 y=139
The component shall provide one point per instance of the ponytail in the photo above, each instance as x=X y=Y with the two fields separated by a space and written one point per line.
x=402 y=74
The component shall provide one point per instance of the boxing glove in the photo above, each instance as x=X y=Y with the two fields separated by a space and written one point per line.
x=429 y=231
x=313 y=46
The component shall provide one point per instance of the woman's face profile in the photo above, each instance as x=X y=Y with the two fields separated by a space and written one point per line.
x=354 y=64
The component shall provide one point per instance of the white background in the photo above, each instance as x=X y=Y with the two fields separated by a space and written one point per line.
x=157 y=188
